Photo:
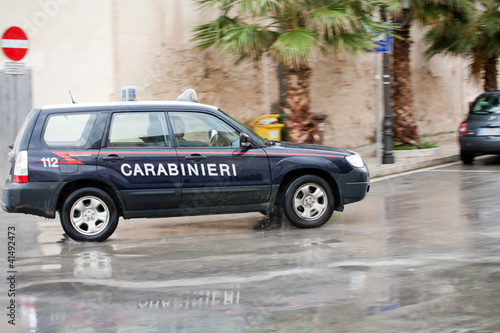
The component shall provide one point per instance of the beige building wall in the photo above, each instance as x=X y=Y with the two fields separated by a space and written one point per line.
x=94 y=47
x=70 y=47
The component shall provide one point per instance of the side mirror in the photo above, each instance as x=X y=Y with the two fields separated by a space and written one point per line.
x=245 y=140
x=11 y=155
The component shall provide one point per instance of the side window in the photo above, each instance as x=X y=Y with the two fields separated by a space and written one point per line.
x=194 y=129
x=495 y=104
x=138 y=129
x=68 y=130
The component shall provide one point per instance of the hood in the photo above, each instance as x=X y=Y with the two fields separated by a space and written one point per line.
x=313 y=147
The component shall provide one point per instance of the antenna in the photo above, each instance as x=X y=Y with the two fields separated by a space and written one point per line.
x=72 y=100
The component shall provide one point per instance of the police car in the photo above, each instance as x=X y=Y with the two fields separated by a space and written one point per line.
x=92 y=163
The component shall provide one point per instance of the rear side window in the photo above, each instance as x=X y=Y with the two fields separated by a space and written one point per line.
x=68 y=130
x=139 y=129
x=486 y=104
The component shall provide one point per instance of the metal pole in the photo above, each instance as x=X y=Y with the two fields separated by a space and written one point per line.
x=378 y=108
x=388 y=157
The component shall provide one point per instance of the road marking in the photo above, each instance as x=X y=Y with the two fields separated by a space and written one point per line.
x=431 y=168
x=473 y=171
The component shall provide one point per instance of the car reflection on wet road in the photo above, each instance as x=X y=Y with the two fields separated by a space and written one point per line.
x=420 y=254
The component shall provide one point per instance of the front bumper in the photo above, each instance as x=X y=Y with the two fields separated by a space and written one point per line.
x=355 y=185
x=38 y=198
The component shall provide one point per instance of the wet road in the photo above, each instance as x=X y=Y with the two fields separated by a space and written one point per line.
x=420 y=254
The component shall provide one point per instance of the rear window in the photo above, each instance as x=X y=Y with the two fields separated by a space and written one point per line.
x=23 y=129
x=68 y=130
x=486 y=104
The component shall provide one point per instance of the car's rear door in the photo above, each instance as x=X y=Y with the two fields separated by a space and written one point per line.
x=138 y=158
x=65 y=150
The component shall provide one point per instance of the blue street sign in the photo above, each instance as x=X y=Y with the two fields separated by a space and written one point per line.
x=383 y=43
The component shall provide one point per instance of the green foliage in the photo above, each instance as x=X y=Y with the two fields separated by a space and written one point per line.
x=420 y=145
x=403 y=146
x=289 y=30
x=294 y=45
x=427 y=145
x=464 y=28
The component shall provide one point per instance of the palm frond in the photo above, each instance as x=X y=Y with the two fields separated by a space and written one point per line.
x=247 y=41
x=212 y=33
x=351 y=42
x=262 y=8
x=289 y=29
x=467 y=30
x=450 y=40
x=489 y=21
x=333 y=17
x=293 y=47
x=222 y=5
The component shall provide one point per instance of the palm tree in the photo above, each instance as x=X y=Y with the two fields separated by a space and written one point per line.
x=289 y=31
x=475 y=35
x=422 y=12
x=404 y=124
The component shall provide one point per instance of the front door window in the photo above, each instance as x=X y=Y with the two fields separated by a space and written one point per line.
x=192 y=129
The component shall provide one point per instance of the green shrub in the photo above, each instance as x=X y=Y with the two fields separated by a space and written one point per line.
x=420 y=145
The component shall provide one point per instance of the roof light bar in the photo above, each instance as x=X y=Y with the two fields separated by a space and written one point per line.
x=188 y=96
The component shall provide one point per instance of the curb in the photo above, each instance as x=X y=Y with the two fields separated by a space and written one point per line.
x=390 y=169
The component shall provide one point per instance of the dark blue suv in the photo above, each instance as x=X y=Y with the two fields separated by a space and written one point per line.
x=93 y=163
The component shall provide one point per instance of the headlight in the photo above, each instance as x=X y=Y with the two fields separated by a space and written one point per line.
x=355 y=160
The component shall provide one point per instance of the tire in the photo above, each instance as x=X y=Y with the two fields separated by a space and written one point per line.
x=89 y=215
x=467 y=158
x=308 y=202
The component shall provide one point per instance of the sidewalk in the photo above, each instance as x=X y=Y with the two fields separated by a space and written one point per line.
x=407 y=160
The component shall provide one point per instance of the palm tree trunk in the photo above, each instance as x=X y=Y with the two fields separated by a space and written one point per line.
x=490 y=74
x=404 y=124
x=300 y=126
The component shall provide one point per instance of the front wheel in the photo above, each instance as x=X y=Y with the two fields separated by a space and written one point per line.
x=89 y=214
x=308 y=202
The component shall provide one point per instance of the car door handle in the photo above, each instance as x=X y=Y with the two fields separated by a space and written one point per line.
x=113 y=157
x=195 y=157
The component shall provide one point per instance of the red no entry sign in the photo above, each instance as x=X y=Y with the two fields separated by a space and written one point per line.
x=14 y=43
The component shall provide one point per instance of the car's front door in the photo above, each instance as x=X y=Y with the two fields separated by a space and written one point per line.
x=215 y=171
x=138 y=158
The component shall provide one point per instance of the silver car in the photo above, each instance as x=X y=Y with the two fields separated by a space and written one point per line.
x=480 y=132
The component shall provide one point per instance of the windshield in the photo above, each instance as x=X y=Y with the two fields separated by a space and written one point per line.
x=263 y=140
x=486 y=104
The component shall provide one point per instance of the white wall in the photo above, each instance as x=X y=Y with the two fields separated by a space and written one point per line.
x=70 y=47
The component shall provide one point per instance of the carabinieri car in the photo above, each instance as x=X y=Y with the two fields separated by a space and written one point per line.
x=93 y=163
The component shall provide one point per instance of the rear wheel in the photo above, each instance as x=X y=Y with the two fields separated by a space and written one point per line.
x=89 y=214
x=467 y=158
x=308 y=202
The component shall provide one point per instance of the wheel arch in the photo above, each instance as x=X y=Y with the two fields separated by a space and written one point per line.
x=294 y=174
x=78 y=184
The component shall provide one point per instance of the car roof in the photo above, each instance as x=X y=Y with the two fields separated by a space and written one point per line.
x=128 y=106
x=495 y=92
